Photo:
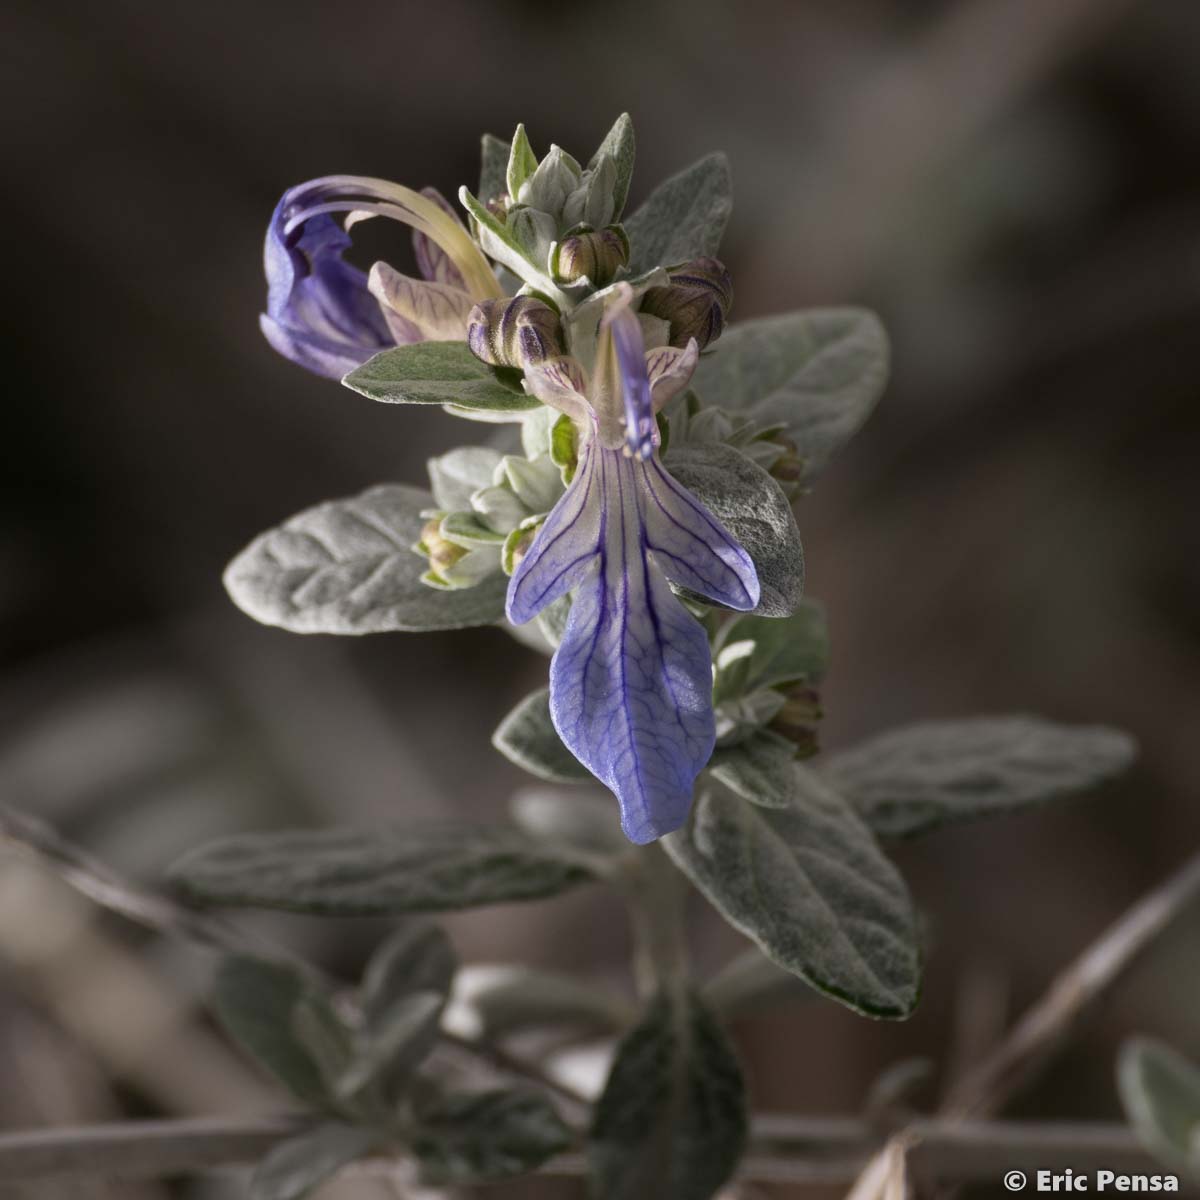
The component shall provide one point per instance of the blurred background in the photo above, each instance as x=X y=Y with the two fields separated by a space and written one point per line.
x=1012 y=184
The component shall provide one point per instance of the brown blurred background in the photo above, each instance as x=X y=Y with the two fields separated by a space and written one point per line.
x=1013 y=184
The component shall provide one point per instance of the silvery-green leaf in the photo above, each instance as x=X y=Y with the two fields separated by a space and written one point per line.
x=751 y=982
x=328 y=1041
x=535 y=431
x=536 y=482
x=376 y=872
x=551 y=182
x=743 y=716
x=347 y=566
x=403 y=993
x=295 y=1168
x=754 y=652
x=591 y=203
x=437 y=373
x=522 y=162
x=499 y=507
x=528 y=738
x=759 y=769
x=920 y=776
x=457 y=474
x=1160 y=1090
x=387 y=1052
x=672 y=1119
x=493 y=1001
x=751 y=506
x=256 y=1001
x=619 y=145
x=493 y=164
x=817 y=372
x=498 y=243
x=418 y=957
x=684 y=217
x=810 y=887
x=466 y=1137
x=466 y=529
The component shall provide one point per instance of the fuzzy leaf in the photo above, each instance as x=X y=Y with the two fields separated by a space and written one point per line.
x=376 y=872
x=618 y=144
x=454 y=477
x=672 y=1119
x=528 y=738
x=418 y=957
x=468 y=1137
x=751 y=506
x=758 y=769
x=437 y=373
x=808 y=884
x=295 y=1168
x=1160 y=1090
x=683 y=218
x=347 y=566
x=920 y=776
x=756 y=652
x=522 y=162
x=257 y=1002
x=817 y=372
x=493 y=165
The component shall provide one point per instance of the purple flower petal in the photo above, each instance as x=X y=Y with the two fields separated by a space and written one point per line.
x=432 y=261
x=417 y=310
x=319 y=311
x=641 y=430
x=631 y=684
x=691 y=546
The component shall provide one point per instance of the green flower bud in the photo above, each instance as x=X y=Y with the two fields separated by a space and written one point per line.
x=798 y=718
x=517 y=332
x=518 y=543
x=442 y=552
x=592 y=202
x=555 y=178
x=695 y=302
x=595 y=254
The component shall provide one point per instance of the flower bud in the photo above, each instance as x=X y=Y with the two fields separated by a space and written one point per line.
x=519 y=332
x=555 y=178
x=442 y=552
x=798 y=718
x=695 y=302
x=594 y=254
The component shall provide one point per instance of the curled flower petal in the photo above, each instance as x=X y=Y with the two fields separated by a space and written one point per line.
x=363 y=197
x=417 y=310
x=631 y=683
x=432 y=261
x=670 y=371
x=560 y=383
x=319 y=311
x=641 y=430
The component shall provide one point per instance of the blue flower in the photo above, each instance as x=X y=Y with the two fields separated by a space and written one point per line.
x=331 y=317
x=631 y=683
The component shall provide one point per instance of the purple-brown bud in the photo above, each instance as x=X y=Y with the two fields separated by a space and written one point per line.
x=518 y=332
x=695 y=302
x=797 y=720
x=597 y=254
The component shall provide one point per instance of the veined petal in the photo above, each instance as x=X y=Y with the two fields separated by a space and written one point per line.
x=691 y=546
x=670 y=371
x=432 y=261
x=560 y=383
x=418 y=310
x=319 y=311
x=365 y=196
x=565 y=546
x=631 y=683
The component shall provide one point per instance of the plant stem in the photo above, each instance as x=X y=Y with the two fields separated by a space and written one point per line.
x=784 y=1149
x=656 y=894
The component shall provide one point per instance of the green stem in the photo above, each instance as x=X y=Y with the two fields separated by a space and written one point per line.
x=657 y=896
